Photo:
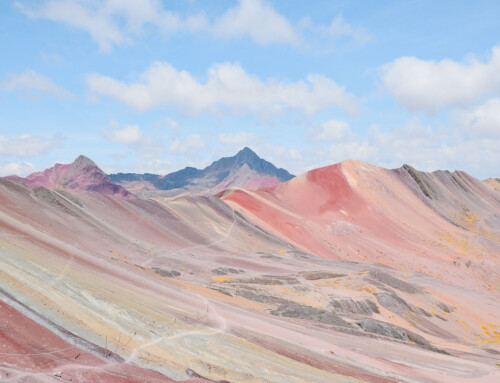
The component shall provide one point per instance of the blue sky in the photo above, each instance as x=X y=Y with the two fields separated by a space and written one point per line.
x=153 y=86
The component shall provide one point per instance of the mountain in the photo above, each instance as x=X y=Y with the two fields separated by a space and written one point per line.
x=362 y=213
x=246 y=170
x=346 y=262
x=456 y=196
x=81 y=175
x=347 y=273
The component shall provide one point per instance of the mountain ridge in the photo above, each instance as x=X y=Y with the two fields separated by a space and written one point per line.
x=81 y=175
x=211 y=179
x=351 y=254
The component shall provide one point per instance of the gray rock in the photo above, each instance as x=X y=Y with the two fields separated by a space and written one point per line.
x=384 y=329
x=349 y=306
x=313 y=276
x=166 y=273
x=226 y=270
x=260 y=297
x=491 y=351
x=391 y=331
x=270 y=256
x=70 y=197
x=421 y=311
x=221 y=290
x=392 y=302
x=393 y=282
x=287 y=279
x=295 y=310
x=395 y=332
x=47 y=196
x=446 y=308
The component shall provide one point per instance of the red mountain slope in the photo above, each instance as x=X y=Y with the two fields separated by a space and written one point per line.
x=359 y=212
x=81 y=175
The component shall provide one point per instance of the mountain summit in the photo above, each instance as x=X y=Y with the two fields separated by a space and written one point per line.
x=245 y=169
x=81 y=175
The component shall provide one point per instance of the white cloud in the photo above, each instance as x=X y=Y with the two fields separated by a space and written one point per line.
x=239 y=139
x=129 y=135
x=416 y=144
x=425 y=147
x=280 y=156
x=26 y=145
x=481 y=121
x=52 y=58
x=151 y=147
x=228 y=87
x=431 y=86
x=110 y=22
x=117 y=22
x=339 y=28
x=332 y=130
x=79 y=15
x=100 y=20
x=30 y=80
x=133 y=137
x=186 y=144
x=259 y=21
x=17 y=168
x=155 y=166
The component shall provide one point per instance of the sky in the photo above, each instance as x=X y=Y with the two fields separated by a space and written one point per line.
x=154 y=86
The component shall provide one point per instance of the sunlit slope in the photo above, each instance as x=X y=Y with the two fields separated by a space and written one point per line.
x=192 y=286
x=358 y=212
x=463 y=200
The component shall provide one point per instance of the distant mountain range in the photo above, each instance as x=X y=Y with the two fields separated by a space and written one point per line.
x=346 y=262
x=246 y=170
x=453 y=195
x=83 y=175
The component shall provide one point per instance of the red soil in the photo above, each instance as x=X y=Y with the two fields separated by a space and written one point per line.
x=28 y=349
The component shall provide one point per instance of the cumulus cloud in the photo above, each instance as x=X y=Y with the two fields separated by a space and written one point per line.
x=26 y=145
x=30 y=80
x=332 y=130
x=259 y=21
x=111 y=22
x=281 y=154
x=412 y=143
x=339 y=28
x=480 y=121
x=154 y=166
x=431 y=86
x=129 y=135
x=151 y=147
x=118 y=22
x=239 y=139
x=17 y=168
x=78 y=15
x=185 y=144
x=423 y=146
x=228 y=87
x=133 y=137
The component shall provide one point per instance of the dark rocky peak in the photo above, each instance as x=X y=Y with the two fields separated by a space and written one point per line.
x=247 y=156
x=83 y=163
